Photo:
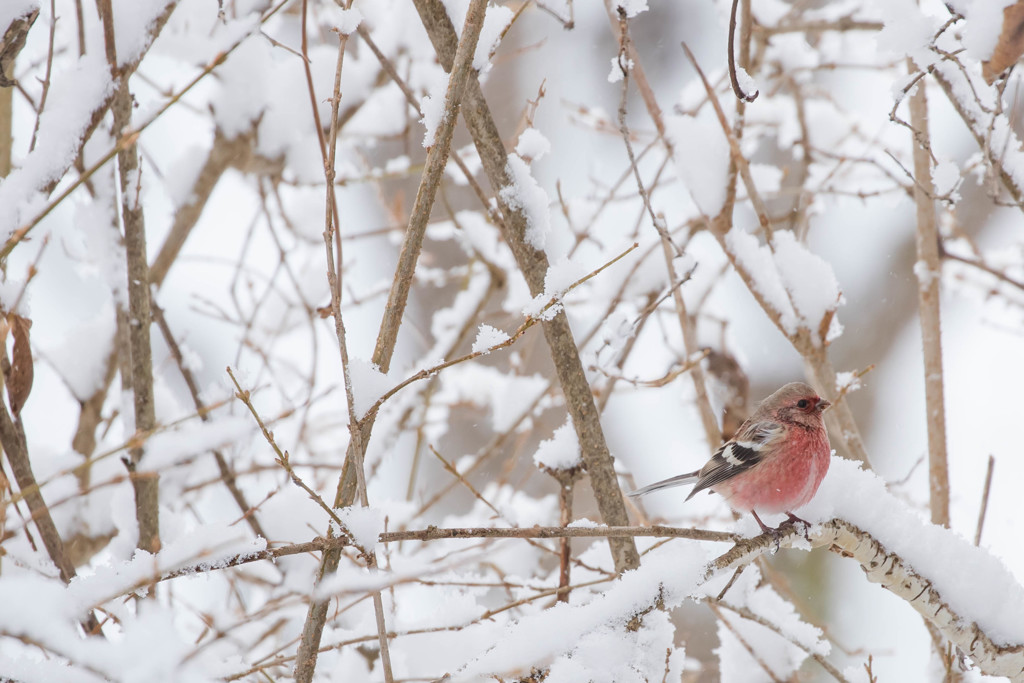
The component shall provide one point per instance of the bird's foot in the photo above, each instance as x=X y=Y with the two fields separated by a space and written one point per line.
x=793 y=520
x=775 y=534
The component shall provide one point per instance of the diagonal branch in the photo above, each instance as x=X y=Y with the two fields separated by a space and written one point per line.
x=893 y=573
x=533 y=263
x=147 y=501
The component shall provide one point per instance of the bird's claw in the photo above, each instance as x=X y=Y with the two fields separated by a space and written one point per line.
x=793 y=520
x=776 y=535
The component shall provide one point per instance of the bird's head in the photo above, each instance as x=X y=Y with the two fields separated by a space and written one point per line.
x=797 y=403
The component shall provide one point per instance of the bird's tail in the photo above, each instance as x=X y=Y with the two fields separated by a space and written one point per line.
x=677 y=480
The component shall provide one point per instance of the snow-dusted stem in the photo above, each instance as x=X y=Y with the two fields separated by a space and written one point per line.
x=928 y=270
x=891 y=572
x=981 y=124
x=146 y=486
x=533 y=263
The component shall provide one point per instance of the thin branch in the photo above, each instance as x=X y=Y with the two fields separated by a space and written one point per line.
x=929 y=277
x=147 y=488
x=984 y=499
x=737 y=89
x=893 y=573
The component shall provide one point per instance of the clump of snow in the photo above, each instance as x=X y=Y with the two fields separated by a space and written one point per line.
x=683 y=265
x=982 y=27
x=348 y=20
x=132 y=20
x=76 y=91
x=78 y=356
x=166 y=448
x=583 y=523
x=526 y=195
x=671 y=572
x=701 y=154
x=561 y=275
x=432 y=106
x=488 y=337
x=974 y=583
x=750 y=592
x=364 y=524
x=925 y=275
x=532 y=144
x=946 y=177
x=807 y=277
x=767 y=177
x=396 y=165
x=183 y=173
x=737 y=664
x=747 y=83
x=631 y=7
x=496 y=20
x=616 y=330
x=508 y=396
x=795 y=282
x=561 y=451
x=368 y=385
x=906 y=30
x=847 y=382
x=16 y=9
x=616 y=75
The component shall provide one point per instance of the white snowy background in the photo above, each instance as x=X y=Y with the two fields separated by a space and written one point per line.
x=247 y=289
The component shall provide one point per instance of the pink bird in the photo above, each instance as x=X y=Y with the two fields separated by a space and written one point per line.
x=773 y=464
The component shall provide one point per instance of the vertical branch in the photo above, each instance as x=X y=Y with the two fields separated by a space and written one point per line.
x=147 y=502
x=352 y=481
x=566 y=479
x=929 y=270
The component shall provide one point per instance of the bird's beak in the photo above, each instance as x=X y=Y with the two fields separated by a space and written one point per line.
x=823 y=404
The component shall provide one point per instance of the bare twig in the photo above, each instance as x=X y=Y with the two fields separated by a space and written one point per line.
x=984 y=499
x=147 y=488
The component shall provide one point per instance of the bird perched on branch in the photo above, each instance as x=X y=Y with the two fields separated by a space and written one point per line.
x=773 y=464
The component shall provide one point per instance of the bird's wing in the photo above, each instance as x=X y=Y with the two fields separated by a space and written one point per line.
x=677 y=480
x=750 y=446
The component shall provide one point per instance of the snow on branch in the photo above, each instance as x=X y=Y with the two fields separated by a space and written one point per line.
x=966 y=593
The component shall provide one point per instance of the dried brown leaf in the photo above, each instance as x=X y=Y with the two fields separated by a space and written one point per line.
x=19 y=382
x=11 y=43
x=1010 y=46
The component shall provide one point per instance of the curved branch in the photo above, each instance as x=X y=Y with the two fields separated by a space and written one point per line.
x=890 y=571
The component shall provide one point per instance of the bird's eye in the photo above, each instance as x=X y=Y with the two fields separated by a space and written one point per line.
x=802 y=403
